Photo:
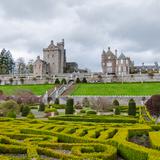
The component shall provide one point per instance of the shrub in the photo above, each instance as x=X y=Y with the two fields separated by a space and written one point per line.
x=132 y=107
x=21 y=80
x=153 y=105
x=30 y=116
x=8 y=106
x=78 y=80
x=1 y=92
x=117 y=111
x=85 y=102
x=115 y=102
x=57 y=81
x=78 y=105
x=69 y=106
x=57 y=106
x=89 y=112
x=48 y=110
x=63 y=81
x=11 y=114
x=82 y=111
x=84 y=80
x=11 y=81
x=56 y=101
x=41 y=107
x=25 y=111
x=150 y=74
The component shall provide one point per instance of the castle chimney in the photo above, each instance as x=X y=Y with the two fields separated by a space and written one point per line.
x=52 y=42
x=116 y=52
x=38 y=57
x=63 y=41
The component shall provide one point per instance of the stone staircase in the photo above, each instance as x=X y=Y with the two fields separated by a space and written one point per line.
x=58 y=91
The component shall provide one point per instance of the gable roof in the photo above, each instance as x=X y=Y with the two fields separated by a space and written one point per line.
x=122 y=56
x=110 y=53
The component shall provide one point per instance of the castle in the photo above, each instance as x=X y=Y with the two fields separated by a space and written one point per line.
x=112 y=64
x=54 y=61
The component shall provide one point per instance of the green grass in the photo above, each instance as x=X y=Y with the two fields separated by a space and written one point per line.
x=111 y=89
x=38 y=89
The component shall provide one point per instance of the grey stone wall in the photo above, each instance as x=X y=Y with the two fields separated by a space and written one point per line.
x=123 y=100
x=28 y=79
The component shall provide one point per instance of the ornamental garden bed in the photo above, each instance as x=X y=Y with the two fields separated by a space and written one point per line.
x=60 y=139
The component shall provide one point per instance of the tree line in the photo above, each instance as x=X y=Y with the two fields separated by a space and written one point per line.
x=10 y=66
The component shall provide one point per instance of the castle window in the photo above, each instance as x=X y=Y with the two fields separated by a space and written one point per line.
x=52 y=56
x=121 y=61
x=109 y=64
x=119 y=68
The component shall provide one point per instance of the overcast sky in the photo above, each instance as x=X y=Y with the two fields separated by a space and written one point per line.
x=88 y=27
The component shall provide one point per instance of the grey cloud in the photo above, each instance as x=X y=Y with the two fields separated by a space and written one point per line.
x=88 y=27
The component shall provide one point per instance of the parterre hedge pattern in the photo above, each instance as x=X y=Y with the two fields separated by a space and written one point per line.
x=24 y=139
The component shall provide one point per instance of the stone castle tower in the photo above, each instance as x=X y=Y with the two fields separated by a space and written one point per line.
x=55 y=57
x=54 y=60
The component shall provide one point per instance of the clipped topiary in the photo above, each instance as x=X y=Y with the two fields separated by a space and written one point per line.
x=69 y=106
x=84 y=80
x=63 y=81
x=115 y=102
x=30 y=116
x=41 y=107
x=78 y=80
x=82 y=111
x=57 y=81
x=117 y=111
x=25 y=111
x=132 y=107
x=91 y=112
x=56 y=101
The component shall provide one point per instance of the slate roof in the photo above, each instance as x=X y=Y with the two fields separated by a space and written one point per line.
x=122 y=56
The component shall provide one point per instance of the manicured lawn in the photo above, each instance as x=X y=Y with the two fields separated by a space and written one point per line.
x=38 y=89
x=117 y=89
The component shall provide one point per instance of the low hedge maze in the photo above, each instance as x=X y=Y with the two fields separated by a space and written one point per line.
x=53 y=140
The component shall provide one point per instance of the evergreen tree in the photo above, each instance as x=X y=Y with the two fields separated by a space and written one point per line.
x=132 y=107
x=84 y=80
x=41 y=107
x=63 y=81
x=21 y=66
x=117 y=111
x=78 y=80
x=56 y=101
x=6 y=62
x=115 y=102
x=69 y=106
x=57 y=81
x=25 y=111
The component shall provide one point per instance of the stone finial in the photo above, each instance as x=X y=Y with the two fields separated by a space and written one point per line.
x=109 y=48
x=38 y=57
x=52 y=42
x=116 y=52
